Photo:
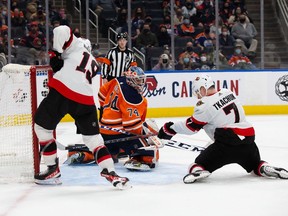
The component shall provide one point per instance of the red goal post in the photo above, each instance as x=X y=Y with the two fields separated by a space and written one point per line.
x=22 y=88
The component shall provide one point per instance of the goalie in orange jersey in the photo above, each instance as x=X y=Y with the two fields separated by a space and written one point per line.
x=124 y=107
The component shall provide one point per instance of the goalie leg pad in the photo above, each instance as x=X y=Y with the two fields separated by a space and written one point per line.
x=80 y=157
x=144 y=159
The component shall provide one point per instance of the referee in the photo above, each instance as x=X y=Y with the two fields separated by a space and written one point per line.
x=118 y=59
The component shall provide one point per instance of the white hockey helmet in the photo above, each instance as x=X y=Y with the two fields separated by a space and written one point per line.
x=202 y=80
x=62 y=38
x=136 y=78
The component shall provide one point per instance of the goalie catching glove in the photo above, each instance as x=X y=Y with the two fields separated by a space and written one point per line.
x=166 y=132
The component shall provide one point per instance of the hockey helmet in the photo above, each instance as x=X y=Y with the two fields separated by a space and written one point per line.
x=202 y=80
x=122 y=36
x=136 y=78
x=62 y=38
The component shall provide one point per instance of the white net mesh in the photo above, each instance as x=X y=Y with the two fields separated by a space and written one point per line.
x=16 y=131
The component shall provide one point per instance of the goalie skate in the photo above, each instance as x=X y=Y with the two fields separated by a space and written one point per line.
x=134 y=165
x=117 y=181
x=197 y=175
x=275 y=172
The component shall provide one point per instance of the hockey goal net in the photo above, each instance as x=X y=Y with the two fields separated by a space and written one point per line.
x=21 y=90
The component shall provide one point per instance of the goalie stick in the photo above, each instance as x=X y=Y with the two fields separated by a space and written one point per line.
x=122 y=131
x=80 y=146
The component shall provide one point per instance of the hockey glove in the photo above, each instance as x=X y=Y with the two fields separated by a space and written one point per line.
x=166 y=132
x=56 y=62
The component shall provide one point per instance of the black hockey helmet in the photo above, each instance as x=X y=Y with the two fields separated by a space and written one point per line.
x=122 y=36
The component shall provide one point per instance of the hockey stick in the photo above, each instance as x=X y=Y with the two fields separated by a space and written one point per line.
x=122 y=131
x=80 y=146
x=183 y=146
x=156 y=141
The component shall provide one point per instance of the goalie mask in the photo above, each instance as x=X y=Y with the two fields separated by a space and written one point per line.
x=202 y=80
x=136 y=78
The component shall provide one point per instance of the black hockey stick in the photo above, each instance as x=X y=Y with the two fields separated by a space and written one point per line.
x=81 y=146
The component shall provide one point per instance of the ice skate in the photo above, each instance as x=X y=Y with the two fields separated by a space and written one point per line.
x=51 y=176
x=196 y=176
x=117 y=181
x=270 y=171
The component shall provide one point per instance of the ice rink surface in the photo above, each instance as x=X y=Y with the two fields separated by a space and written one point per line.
x=229 y=191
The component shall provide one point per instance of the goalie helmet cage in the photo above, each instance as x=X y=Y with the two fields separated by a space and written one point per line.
x=22 y=88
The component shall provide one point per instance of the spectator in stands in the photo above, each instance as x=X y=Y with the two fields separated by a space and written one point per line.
x=204 y=63
x=31 y=8
x=4 y=16
x=245 y=34
x=63 y=17
x=153 y=27
x=36 y=42
x=225 y=39
x=186 y=29
x=208 y=17
x=164 y=63
x=236 y=13
x=163 y=36
x=178 y=17
x=40 y=18
x=188 y=59
x=239 y=60
x=137 y=24
x=17 y=18
x=146 y=39
x=188 y=9
x=202 y=37
x=226 y=11
x=167 y=23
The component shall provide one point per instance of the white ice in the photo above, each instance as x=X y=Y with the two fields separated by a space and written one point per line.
x=228 y=191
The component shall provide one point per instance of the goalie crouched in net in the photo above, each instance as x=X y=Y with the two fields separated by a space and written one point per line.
x=123 y=113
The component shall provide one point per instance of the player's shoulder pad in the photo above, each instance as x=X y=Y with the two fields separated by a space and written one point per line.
x=130 y=94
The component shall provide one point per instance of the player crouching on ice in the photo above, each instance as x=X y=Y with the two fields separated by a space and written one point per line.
x=122 y=115
x=222 y=117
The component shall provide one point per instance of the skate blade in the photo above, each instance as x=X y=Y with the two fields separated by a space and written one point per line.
x=52 y=181
x=190 y=178
x=123 y=185
x=142 y=167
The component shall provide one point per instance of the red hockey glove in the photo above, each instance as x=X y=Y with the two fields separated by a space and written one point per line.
x=166 y=132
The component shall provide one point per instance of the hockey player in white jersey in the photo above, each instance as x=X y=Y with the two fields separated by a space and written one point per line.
x=222 y=117
x=71 y=92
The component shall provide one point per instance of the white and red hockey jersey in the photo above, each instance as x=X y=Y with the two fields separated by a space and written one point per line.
x=220 y=110
x=74 y=79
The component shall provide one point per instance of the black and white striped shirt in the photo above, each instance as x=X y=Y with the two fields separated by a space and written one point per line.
x=116 y=62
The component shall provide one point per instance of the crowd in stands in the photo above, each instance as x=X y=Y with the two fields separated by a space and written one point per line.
x=28 y=30
x=194 y=31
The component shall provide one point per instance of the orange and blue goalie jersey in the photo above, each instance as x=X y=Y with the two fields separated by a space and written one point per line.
x=123 y=107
